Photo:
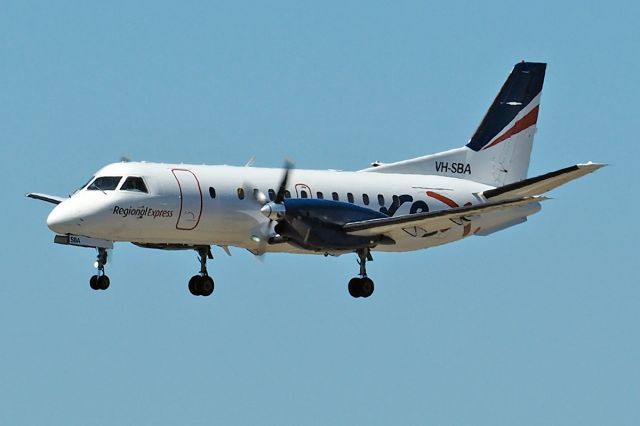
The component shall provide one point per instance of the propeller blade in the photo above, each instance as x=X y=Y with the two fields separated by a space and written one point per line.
x=288 y=165
x=261 y=236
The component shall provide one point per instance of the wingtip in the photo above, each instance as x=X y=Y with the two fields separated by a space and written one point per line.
x=592 y=165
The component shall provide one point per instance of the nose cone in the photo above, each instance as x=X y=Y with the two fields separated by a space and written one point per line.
x=63 y=220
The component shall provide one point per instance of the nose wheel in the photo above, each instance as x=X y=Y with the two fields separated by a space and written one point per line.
x=362 y=286
x=202 y=284
x=100 y=281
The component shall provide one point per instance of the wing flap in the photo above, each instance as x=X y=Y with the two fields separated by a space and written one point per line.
x=433 y=220
x=540 y=184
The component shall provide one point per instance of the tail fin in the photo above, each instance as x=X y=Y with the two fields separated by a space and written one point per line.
x=498 y=152
x=503 y=141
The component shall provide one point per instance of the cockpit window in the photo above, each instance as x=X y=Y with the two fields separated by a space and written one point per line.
x=84 y=186
x=134 y=184
x=105 y=183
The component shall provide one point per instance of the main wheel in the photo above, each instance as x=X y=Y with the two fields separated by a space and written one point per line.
x=366 y=287
x=103 y=282
x=206 y=286
x=93 y=282
x=194 y=285
x=354 y=287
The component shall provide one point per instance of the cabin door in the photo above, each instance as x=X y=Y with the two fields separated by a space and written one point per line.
x=190 y=199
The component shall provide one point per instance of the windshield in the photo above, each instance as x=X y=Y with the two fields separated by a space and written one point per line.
x=105 y=183
x=84 y=186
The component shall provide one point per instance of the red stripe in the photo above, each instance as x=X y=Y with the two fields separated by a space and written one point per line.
x=442 y=198
x=525 y=122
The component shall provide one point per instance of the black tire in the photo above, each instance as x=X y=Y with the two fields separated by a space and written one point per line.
x=366 y=287
x=355 y=287
x=194 y=285
x=206 y=286
x=103 y=282
x=93 y=283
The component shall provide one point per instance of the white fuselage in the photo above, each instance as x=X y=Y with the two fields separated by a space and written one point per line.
x=203 y=205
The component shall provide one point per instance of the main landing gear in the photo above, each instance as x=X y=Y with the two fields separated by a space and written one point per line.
x=362 y=286
x=100 y=281
x=202 y=284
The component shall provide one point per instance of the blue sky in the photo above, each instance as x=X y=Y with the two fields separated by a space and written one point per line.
x=534 y=325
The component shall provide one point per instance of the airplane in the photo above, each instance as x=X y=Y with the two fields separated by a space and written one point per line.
x=474 y=190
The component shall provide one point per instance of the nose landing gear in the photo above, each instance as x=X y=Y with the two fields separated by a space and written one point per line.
x=202 y=284
x=362 y=286
x=100 y=281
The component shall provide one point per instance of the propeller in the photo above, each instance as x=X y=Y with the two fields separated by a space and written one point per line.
x=288 y=165
x=272 y=210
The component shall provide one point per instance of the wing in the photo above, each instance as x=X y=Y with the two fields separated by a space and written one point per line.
x=432 y=220
x=44 y=197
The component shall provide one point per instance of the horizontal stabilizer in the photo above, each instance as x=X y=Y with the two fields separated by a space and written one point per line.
x=44 y=197
x=540 y=184
x=432 y=220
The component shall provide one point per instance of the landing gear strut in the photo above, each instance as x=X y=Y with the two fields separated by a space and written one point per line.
x=100 y=281
x=362 y=286
x=202 y=284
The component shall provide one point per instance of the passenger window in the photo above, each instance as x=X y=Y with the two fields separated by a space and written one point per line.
x=256 y=191
x=303 y=194
x=135 y=184
x=335 y=197
x=212 y=192
x=240 y=193
x=319 y=195
x=105 y=183
x=381 y=199
x=365 y=199
x=287 y=194
x=350 y=197
x=272 y=194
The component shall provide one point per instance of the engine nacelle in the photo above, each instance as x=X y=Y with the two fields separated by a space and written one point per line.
x=317 y=225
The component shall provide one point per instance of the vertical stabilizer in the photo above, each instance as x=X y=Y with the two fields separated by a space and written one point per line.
x=498 y=152
x=503 y=141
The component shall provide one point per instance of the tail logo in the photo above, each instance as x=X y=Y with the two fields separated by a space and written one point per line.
x=514 y=109
x=524 y=123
